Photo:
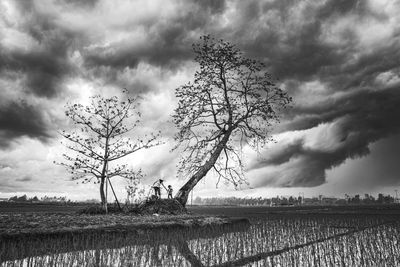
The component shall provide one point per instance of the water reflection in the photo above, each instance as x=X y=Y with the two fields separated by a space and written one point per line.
x=272 y=241
x=157 y=247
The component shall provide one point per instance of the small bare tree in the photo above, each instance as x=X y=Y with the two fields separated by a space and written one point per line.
x=134 y=191
x=100 y=140
x=232 y=101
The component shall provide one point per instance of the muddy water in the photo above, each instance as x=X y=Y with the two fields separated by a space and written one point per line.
x=278 y=239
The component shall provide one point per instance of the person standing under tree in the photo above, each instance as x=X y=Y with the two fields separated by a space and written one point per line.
x=169 y=190
x=157 y=187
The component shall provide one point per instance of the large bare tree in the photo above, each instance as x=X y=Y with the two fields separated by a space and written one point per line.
x=100 y=141
x=232 y=101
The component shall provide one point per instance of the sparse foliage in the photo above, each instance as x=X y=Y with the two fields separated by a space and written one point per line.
x=231 y=102
x=100 y=140
x=135 y=192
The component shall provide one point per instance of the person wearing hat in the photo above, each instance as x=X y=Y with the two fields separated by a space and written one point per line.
x=157 y=187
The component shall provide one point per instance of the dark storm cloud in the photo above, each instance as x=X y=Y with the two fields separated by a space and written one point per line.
x=21 y=119
x=297 y=52
x=280 y=155
x=375 y=109
x=44 y=70
x=385 y=158
x=359 y=119
x=341 y=7
x=291 y=53
x=43 y=67
x=166 y=50
x=212 y=6
x=301 y=53
x=364 y=71
x=309 y=166
x=167 y=43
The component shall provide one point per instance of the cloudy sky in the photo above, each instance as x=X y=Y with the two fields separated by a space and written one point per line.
x=338 y=59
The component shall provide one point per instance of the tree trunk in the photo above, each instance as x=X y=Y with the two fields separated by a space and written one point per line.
x=102 y=195
x=183 y=193
x=104 y=175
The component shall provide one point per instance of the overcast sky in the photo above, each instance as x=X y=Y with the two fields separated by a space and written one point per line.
x=338 y=59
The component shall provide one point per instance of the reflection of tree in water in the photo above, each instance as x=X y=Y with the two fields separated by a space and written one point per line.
x=284 y=240
x=185 y=251
x=162 y=247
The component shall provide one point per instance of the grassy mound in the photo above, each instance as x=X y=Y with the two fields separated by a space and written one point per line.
x=162 y=206
x=97 y=209
x=151 y=206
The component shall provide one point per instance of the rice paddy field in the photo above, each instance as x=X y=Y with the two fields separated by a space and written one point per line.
x=293 y=236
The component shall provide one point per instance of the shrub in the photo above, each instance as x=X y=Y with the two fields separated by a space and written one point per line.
x=162 y=206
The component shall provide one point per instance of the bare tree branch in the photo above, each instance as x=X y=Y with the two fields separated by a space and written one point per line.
x=231 y=100
x=100 y=141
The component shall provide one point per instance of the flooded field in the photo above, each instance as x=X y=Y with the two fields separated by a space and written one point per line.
x=313 y=237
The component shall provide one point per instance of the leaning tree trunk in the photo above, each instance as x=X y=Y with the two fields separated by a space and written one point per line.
x=183 y=193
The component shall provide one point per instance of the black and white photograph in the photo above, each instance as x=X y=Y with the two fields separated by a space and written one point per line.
x=199 y=133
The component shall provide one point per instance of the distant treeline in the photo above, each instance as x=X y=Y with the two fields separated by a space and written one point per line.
x=45 y=199
x=35 y=199
x=291 y=200
x=236 y=201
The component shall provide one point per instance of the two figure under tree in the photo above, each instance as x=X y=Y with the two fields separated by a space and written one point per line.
x=157 y=189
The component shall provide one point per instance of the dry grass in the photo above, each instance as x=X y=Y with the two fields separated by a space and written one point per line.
x=37 y=223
